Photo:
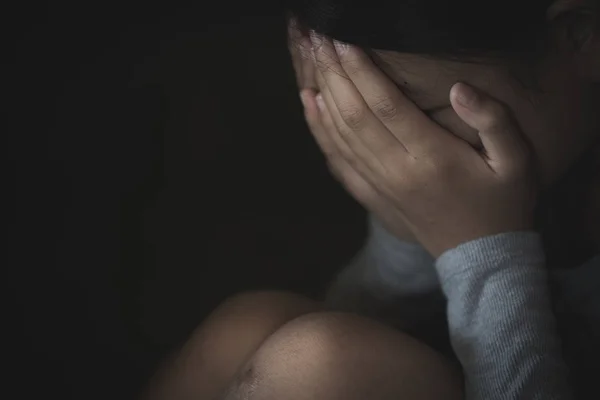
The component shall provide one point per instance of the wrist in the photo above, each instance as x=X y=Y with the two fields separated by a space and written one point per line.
x=397 y=229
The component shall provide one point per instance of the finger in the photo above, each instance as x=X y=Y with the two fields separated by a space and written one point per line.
x=359 y=157
x=415 y=130
x=365 y=193
x=360 y=127
x=504 y=146
x=315 y=123
x=322 y=127
x=352 y=180
x=300 y=48
x=358 y=187
x=308 y=66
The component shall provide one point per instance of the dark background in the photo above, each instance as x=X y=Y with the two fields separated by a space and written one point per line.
x=162 y=163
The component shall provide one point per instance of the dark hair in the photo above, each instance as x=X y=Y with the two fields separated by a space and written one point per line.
x=440 y=28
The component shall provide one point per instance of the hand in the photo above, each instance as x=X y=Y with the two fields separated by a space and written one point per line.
x=321 y=127
x=446 y=191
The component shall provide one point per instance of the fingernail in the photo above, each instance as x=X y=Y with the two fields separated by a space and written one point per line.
x=303 y=98
x=320 y=102
x=466 y=96
x=340 y=47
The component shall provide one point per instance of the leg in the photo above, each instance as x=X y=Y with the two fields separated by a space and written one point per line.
x=228 y=337
x=343 y=356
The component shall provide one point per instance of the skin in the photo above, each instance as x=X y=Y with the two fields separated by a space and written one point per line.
x=446 y=191
x=291 y=349
x=556 y=117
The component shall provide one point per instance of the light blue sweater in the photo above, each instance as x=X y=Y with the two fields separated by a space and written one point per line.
x=491 y=298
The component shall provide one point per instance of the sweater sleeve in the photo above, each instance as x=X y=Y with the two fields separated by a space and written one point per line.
x=500 y=318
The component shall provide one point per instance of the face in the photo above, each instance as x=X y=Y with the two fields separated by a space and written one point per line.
x=552 y=115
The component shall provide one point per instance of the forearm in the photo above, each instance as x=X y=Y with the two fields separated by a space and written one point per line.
x=500 y=318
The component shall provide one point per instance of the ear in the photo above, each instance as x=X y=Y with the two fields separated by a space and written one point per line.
x=575 y=25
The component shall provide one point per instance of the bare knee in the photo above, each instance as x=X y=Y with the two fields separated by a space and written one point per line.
x=343 y=356
x=242 y=322
x=225 y=340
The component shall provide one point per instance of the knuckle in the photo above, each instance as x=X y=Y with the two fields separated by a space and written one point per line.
x=385 y=109
x=353 y=116
x=350 y=65
x=321 y=65
x=325 y=60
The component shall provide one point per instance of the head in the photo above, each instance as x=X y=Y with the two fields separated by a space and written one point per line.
x=540 y=57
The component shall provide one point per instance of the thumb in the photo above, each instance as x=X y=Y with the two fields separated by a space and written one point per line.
x=503 y=143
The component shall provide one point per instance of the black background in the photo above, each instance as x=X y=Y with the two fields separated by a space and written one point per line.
x=158 y=162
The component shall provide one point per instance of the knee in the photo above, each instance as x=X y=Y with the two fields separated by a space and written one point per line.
x=343 y=356
x=243 y=321
x=228 y=337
